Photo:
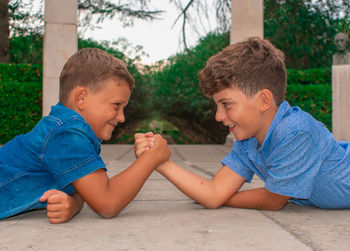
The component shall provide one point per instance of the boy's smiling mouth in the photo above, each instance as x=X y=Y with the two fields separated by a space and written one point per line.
x=112 y=124
x=232 y=127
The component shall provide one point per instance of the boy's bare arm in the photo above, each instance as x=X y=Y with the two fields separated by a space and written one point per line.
x=209 y=193
x=108 y=197
x=259 y=198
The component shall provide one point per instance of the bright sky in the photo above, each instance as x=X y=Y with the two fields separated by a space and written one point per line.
x=158 y=38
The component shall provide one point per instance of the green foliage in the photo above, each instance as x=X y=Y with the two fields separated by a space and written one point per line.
x=179 y=97
x=314 y=99
x=20 y=108
x=26 y=49
x=20 y=73
x=304 y=30
x=310 y=76
x=104 y=45
x=167 y=92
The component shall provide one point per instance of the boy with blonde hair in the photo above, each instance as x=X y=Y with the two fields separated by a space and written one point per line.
x=296 y=156
x=57 y=165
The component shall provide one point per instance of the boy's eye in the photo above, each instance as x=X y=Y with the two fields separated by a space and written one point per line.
x=226 y=105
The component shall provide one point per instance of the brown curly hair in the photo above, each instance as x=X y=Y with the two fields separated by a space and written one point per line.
x=251 y=65
x=91 y=68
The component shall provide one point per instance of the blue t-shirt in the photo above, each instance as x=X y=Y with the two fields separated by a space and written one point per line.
x=299 y=158
x=59 y=150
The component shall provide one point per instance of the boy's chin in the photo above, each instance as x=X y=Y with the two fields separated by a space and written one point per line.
x=106 y=137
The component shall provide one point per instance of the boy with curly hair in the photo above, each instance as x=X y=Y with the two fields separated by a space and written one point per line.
x=295 y=155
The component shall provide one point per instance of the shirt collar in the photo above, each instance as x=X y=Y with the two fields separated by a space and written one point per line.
x=62 y=112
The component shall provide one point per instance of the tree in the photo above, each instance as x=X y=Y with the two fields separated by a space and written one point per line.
x=4 y=31
x=26 y=18
x=193 y=12
x=303 y=29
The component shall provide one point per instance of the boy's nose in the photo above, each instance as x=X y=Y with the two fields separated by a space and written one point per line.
x=121 y=117
x=219 y=116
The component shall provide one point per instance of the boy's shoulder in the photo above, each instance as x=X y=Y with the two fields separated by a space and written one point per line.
x=295 y=121
x=70 y=132
x=64 y=122
x=67 y=119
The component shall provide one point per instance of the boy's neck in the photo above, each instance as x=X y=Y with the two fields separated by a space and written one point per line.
x=268 y=117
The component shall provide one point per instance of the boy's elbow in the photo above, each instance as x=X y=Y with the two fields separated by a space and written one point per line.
x=273 y=201
x=108 y=211
x=274 y=206
x=107 y=215
x=212 y=204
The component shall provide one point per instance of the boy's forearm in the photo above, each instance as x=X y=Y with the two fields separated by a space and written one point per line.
x=202 y=190
x=108 y=196
x=130 y=181
x=258 y=198
x=184 y=180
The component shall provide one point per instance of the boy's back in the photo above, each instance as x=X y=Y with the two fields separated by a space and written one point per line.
x=37 y=161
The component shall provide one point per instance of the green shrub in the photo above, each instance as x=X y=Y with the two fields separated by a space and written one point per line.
x=314 y=99
x=310 y=76
x=26 y=49
x=179 y=98
x=20 y=73
x=20 y=108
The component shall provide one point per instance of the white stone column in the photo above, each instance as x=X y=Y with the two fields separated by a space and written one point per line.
x=60 y=42
x=341 y=102
x=247 y=19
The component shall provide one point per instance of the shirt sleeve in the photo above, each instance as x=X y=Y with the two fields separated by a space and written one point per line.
x=71 y=153
x=293 y=165
x=238 y=162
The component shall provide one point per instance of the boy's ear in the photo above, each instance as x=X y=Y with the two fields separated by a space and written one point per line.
x=79 y=97
x=266 y=100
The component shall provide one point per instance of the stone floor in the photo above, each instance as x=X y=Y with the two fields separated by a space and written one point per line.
x=162 y=218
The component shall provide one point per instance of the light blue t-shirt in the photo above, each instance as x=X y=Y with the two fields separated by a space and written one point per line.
x=59 y=150
x=299 y=158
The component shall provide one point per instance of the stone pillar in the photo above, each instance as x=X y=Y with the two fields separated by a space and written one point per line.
x=60 y=42
x=341 y=102
x=247 y=19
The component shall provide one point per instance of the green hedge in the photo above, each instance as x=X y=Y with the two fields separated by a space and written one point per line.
x=314 y=99
x=179 y=97
x=20 y=73
x=20 y=108
x=310 y=76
